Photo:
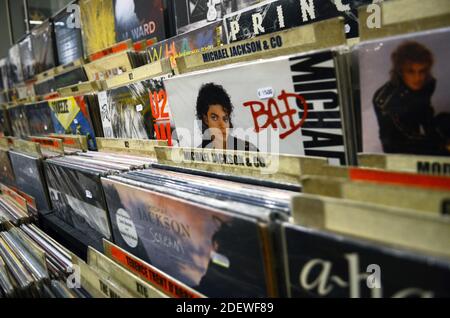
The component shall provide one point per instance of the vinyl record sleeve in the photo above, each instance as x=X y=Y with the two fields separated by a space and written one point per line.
x=262 y=200
x=75 y=76
x=39 y=117
x=42 y=41
x=5 y=124
x=45 y=87
x=5 y=71
x=321 y=264
x=177 y=237
x=126 y=111
x=289 y=105
x=30 y=179
x=26 y=57
x=404 y=94
x=7 y=173
x=96 y=13
x=70 y=115
x=192 y=14
x=19 y=122
x=77 y=199
x=139 y=19
x=276 y=15
x=69 y=44
x=15 y=65
x=196 y=40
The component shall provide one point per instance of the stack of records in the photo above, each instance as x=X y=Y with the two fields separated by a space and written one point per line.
x=208 y=191
x=24 y=266
x=13 y=207
x=355 y=234
x=29 y=174
x=77 y=195
x=211 y=235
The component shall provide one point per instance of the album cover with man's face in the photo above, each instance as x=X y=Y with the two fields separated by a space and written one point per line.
x=405 y=100
x=139 y=19
x=216 y=253
x=288 y=105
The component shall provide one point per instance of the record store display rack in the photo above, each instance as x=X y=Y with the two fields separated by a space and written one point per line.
x=238 y=148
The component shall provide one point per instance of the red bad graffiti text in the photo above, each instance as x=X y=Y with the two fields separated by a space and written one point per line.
x=278 y=115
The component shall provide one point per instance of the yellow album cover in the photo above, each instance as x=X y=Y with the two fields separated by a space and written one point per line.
x=95 y=13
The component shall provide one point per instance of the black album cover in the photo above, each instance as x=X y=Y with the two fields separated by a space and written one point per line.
x=216 y=253
x=19 y=122
x=77 y=199
x=192 y=14
x=72 y=77
x=126 y=111
x=42 y=41
x=139 y=19
x=405 y=100
x=39 y=117
x=277 y=15
x=69 y=44
x=45 y=87
x=29 y=179
x=5 y=124
x=26 y=57
x=322 y=264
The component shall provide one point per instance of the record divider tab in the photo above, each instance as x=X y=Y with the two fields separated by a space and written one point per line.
x=136 y=147
x=408 y=163
x=147 y=71
x=275 y=167
x=82 y=88
x=74 y=142
x=27 y=147
x=404 y=16
x=314 y=36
